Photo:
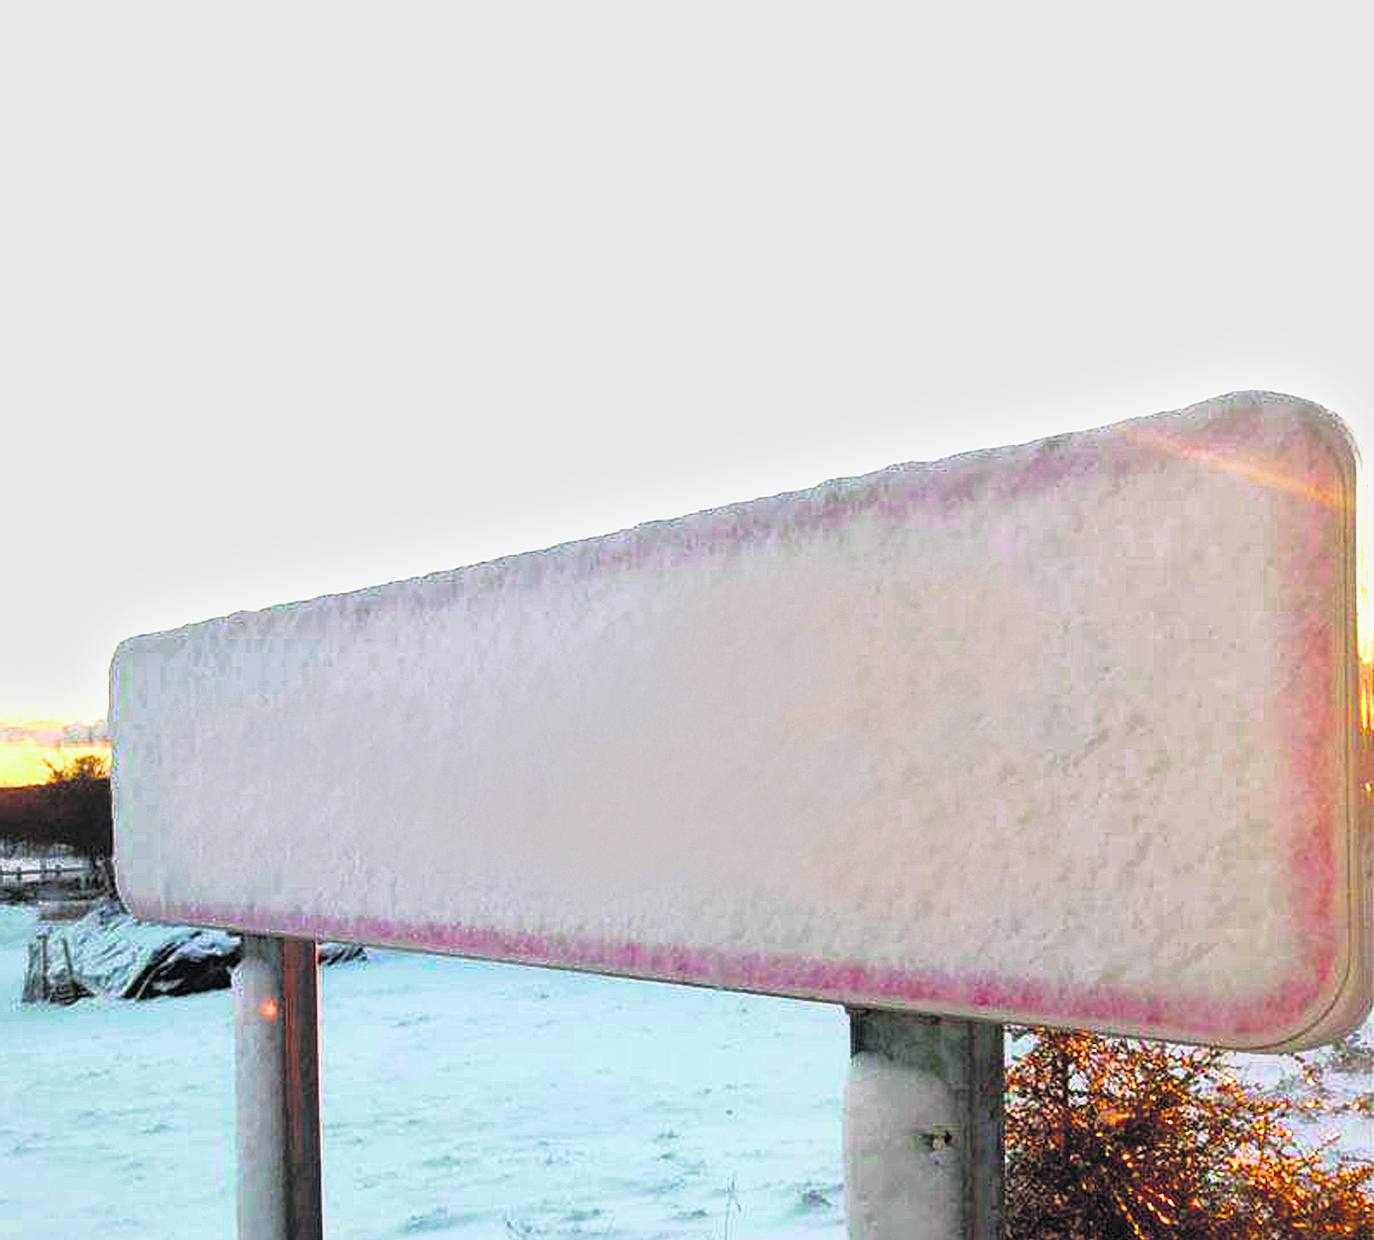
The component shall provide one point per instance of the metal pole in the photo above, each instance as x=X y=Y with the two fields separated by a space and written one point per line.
x=923 y=1128
x=276 y=1038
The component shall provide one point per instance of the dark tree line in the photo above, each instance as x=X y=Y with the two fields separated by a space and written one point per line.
x=71 y=809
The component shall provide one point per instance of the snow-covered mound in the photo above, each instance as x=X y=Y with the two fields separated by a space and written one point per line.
x=109 y=952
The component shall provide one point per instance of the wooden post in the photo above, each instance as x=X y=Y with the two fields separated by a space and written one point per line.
x=277 y=1083
x=35 y=986
x=923 y=1128
x=66 y=992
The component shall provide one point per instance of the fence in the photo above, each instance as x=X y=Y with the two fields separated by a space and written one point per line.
x=20 y=877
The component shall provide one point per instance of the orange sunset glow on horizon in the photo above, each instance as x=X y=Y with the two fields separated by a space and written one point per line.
x=29 y=748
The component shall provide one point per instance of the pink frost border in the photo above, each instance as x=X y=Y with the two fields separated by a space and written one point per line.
x=1315 y=727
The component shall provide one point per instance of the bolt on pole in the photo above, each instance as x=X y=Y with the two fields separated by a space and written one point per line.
x=923 y=1128
x=277 y=1086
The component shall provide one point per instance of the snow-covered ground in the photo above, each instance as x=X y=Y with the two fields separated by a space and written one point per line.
x=474 y=1099
x=458 y=1097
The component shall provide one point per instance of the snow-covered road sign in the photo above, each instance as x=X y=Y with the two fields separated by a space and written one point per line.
x=1063 y=733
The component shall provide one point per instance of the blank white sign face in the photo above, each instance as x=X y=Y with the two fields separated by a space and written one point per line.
x=1063 y=733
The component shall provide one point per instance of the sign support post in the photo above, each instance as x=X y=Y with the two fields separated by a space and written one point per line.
x=277 y=1089
x=923 y=1125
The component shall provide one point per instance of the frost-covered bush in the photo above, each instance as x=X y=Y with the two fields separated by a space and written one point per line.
x=1117 y=1139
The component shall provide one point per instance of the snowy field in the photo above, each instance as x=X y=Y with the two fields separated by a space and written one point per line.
x=459 y=1098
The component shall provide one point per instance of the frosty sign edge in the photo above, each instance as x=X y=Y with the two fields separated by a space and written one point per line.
x=1062 y=733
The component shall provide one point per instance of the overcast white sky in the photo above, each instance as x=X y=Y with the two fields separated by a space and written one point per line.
x=299 y=299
